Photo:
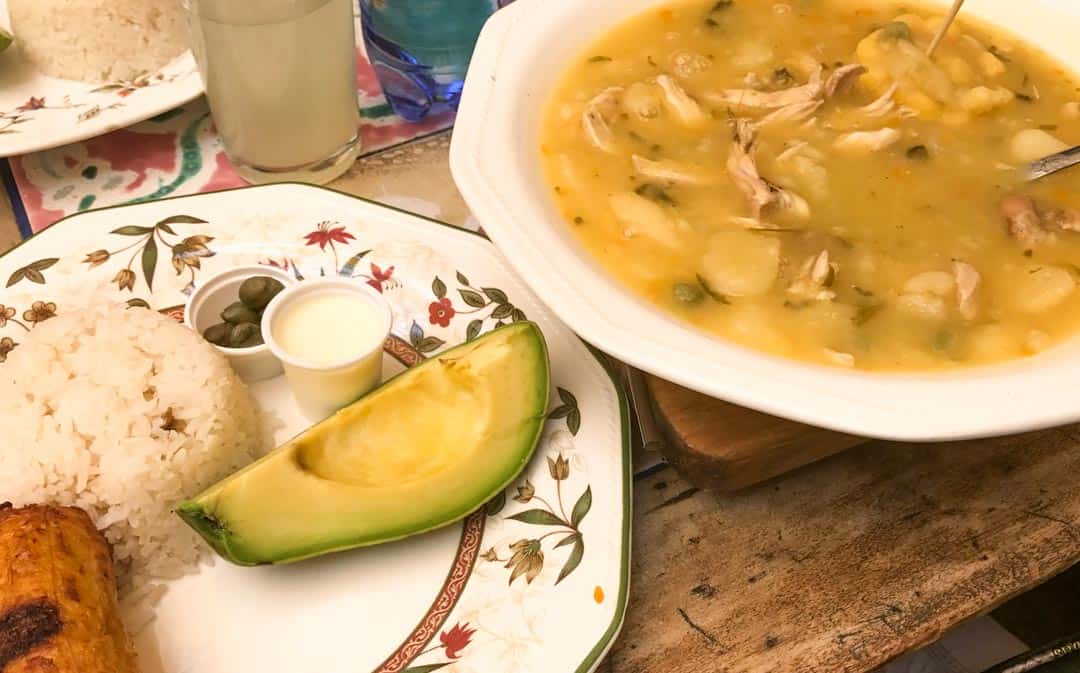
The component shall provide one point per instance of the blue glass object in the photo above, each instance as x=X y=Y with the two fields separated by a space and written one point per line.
x=420 y=49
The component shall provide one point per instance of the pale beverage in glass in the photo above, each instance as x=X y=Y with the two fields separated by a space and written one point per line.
x=280 y=76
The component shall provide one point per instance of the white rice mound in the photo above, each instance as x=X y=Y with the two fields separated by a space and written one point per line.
x=98 y=40
x=83 y=401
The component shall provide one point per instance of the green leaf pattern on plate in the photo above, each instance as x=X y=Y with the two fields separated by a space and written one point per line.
x=525 y=557
x=185 y=252
x=32 y=271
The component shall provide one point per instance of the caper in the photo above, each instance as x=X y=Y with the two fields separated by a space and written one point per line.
x=218 y=334
x=688 y=293
x=255 y=340
x=244 y=335
x=917 y=153
x=943 y=339
x=237 y=312
x=896 y=30
x=257 y=291
x=655 y=193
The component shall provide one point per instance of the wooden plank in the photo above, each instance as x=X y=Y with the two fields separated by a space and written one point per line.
x=847 y=563
x=724 y=447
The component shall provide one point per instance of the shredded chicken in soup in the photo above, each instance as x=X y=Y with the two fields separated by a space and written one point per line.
x=800 y=178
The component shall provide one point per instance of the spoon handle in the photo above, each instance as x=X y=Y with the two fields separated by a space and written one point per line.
x=953 y=11
x=1052 y=164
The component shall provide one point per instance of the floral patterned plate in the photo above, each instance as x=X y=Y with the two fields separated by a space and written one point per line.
x=535 y=581
x=38 y=112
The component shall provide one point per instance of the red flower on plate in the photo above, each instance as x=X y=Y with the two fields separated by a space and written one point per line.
x=378 y=276
x=128 y=88
x=440 y=312
x=456 y=639
x=326 y=233
x=34 y=103
x=283 y=264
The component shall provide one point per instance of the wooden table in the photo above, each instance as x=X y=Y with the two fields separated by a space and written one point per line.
x=840 y=566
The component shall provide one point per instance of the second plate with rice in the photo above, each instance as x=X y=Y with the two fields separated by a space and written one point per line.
x=109 y=88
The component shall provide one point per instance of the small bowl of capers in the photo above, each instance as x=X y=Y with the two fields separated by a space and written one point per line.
x=227 y=309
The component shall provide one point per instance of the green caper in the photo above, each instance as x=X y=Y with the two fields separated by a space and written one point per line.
x=688 y=293
x=917 y=153
x=244 y=335
x=257 y=291
x=218 y=334
x=896 y=30
x=943 y=339
x=255 y=340
x=237 y=312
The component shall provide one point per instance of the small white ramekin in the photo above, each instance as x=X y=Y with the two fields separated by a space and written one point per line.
x=320 y=390
x=210 y=298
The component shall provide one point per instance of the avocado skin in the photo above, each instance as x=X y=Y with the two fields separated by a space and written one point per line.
x=212 y=531
x=204 y=514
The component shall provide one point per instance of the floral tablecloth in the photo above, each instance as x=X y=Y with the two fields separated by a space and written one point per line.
x=178 y=152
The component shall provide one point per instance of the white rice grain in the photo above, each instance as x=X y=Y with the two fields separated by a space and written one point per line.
x=85 y=402
x=98 y=40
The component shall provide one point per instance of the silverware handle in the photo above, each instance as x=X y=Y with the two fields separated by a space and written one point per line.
x=1061 y=655
x=651 y=436
x=1053 y=163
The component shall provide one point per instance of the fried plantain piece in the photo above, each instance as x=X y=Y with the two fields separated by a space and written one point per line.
x=58 y=609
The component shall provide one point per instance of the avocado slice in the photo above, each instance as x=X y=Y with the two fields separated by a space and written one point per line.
x=423 y=450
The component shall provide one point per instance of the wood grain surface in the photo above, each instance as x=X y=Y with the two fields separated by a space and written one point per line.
x=723 y=447
x=849 y=562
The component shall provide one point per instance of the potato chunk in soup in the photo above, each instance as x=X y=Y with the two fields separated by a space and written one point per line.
x=799 y=177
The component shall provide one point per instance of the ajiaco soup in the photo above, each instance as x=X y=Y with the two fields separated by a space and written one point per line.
x=799 y=177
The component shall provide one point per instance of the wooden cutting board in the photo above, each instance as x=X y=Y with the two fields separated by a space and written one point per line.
x=723 y=447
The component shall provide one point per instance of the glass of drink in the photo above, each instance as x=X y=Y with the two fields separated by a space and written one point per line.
x=280 y=76
x=420 y=49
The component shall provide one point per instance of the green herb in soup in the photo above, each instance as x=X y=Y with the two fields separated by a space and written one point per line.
x=800 y=178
